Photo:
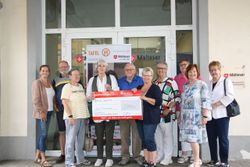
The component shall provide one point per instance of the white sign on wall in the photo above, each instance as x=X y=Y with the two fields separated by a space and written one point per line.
x=109 y=53
x=237 y=75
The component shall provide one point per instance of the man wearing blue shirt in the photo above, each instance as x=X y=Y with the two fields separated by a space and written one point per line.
x=130 y=82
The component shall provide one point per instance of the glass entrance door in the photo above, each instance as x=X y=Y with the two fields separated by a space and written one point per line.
x=147 y=49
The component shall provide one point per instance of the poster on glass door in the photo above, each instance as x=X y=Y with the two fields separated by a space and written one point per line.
x=110 y=53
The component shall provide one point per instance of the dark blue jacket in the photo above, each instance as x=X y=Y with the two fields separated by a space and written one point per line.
x=58 y=84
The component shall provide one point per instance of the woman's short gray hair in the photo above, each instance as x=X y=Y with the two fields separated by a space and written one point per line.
x=148 y=69
x=101 y=61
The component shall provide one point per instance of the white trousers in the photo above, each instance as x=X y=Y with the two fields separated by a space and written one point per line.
x=186 y=146
x=164 y=141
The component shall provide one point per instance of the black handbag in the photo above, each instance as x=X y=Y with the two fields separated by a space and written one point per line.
x=233 y=109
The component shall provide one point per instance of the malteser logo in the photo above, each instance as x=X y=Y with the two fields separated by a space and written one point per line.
x=105 y=52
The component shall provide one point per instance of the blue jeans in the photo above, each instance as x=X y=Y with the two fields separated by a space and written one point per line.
x=217 y=130
x=42 y=132
x=147 y=134
x=75 y=135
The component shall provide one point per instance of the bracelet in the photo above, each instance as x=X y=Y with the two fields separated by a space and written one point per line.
x=70 y=116
x=204 y=116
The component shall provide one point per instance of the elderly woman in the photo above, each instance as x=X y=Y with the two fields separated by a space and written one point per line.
x=101 y=83
x=195 y=108
x=218 y=127
x=42 y=98
x=75 y=114
x=152 y=100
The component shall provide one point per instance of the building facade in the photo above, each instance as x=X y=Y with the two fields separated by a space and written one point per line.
x=34 y=32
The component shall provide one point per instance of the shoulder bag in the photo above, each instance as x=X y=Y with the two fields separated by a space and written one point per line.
x=233 y=109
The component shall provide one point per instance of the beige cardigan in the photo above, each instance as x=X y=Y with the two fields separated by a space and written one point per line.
x=39 y=99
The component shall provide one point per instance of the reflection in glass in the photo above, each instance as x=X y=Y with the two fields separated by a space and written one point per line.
x=90 y=13
x=147 y=51
x=79 y=49
x=53 y=56
x=53 y=52
x=145 y=12
x=53 y=13
x=183 y=12
x=184 y=46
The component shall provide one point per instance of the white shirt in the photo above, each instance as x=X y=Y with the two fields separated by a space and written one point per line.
x=101 y=86
x=217 y=94
x=50 y=95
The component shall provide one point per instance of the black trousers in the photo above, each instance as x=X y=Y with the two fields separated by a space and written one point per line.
x=106 y=128
x=218 y=129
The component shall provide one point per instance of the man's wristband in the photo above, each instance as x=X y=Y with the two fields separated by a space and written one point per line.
x=70 y=116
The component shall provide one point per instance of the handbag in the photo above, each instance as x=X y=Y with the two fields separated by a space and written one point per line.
x=233 y=109
x=89 y=141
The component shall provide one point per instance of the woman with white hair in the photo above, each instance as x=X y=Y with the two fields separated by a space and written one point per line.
x=152 y=100
x=101 y=83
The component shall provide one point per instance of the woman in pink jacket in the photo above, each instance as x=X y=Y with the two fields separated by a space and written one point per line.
x=42 y=98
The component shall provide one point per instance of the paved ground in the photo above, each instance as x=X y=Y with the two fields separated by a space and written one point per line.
x=27 y=163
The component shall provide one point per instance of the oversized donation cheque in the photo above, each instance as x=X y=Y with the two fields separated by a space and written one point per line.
x=117 y=105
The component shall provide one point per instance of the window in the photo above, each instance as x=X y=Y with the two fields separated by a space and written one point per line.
x=183 y=10
x=147 y=51
x=53 y=52
x=90 y=13
x=145 y=12
x=53 y=13
x=184 y=47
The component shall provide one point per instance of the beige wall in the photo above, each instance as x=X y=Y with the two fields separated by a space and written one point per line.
x=229 y=38
x=13 y=52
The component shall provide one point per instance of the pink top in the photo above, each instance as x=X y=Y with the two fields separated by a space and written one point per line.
x=180 y=79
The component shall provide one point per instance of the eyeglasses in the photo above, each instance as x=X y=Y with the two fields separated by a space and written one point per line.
x=129 y=69
x=161 y=68
x=184 y=64
x=147 y=75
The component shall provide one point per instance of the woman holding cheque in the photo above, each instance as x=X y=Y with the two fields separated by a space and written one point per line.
x=101 y=83
x=152 y=99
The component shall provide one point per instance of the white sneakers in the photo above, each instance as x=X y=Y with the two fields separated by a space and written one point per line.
x=182 y=160
x=166 y=162
x=108 y=163
x=98 y=162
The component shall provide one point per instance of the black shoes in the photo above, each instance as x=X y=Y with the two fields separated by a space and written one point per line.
x=61 y=159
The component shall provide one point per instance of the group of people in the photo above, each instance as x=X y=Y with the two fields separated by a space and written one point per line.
x=199 y=108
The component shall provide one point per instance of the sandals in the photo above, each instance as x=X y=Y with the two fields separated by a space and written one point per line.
x=45 y=163
x=195 y=164
x=37 y=161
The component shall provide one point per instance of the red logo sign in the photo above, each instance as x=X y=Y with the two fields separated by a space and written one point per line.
x=133 y=58
x=115 y=56
x=226 y=75
x=79 y=58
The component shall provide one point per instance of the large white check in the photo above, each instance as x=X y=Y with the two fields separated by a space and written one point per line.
x=117 y=105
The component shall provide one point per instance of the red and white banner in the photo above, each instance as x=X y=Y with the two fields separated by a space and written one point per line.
x=117 y=105
x=110 y=53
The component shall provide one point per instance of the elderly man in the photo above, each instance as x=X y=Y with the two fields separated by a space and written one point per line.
x=130 y=82
x=164 y=131
x=58 y=83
